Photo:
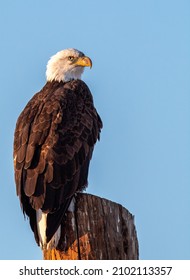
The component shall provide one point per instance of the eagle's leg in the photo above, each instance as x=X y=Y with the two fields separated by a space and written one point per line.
x=71 y=207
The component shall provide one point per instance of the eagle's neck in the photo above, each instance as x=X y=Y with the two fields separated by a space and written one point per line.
x=56 y=72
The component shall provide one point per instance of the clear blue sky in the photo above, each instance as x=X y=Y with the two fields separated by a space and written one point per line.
x=140 y=82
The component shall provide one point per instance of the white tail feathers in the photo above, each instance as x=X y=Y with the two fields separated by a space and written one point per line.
x=41 y=219
x=41 y=226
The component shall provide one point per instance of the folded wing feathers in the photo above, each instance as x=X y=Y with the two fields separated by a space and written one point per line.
x=53 y=142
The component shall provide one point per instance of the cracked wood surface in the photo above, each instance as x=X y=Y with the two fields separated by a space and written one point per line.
x=99 y=229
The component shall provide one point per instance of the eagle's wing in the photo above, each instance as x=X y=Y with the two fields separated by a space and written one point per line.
x=53 y=144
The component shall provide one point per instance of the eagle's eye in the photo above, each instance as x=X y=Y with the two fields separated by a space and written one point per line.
x=71 y=58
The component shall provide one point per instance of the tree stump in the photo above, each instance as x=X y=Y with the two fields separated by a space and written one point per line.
x=98 y=229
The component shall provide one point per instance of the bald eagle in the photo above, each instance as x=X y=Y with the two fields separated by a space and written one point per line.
x=54 y=140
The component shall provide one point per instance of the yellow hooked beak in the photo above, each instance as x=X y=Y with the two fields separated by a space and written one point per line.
x=84 y=61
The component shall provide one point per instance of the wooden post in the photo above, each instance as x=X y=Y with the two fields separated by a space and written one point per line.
x=99 y=229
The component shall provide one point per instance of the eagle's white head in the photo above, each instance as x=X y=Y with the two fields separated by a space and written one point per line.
x=67 y=65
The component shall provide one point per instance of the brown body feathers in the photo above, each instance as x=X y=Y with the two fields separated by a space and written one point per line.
x=53 y=144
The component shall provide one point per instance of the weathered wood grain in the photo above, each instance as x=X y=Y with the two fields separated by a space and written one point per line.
x=99 y=229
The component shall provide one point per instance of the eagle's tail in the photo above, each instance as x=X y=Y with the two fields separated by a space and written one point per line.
x=49 y=226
